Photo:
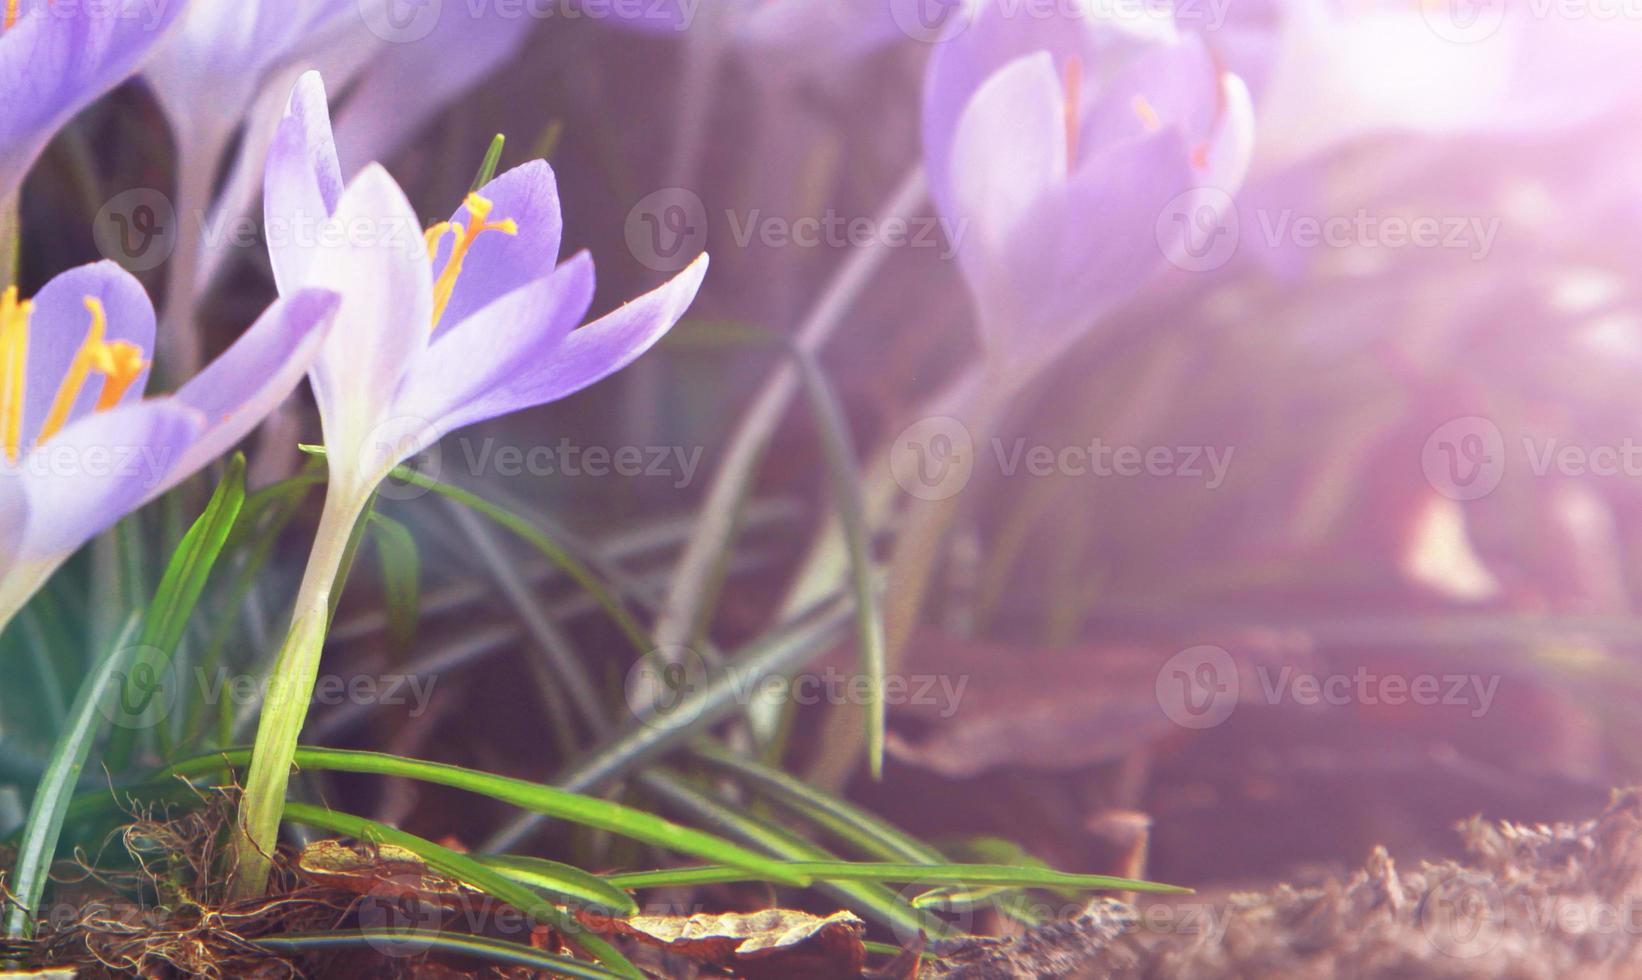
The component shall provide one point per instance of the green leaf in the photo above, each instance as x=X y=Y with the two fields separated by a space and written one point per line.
x=1003 y=876
x=478 y=947
x=839 y=453
x=566 y=883
x=401 y=566
x=38 y=844
x=591 y=811
x=871 y=834
x=468 y=871
x=868 y=898
x=493 y=159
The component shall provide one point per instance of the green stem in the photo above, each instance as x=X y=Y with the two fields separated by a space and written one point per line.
x=291 y=691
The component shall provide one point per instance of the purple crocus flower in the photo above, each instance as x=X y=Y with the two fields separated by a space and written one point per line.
x=56 y=60
x=1056 y=149
x=473 y=319
x=80 y=447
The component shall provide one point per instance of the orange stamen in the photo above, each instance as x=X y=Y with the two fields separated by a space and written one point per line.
x=1073 y=81
x=11 y=14
x=1148 y=115
x=79 y=371
x=121 y=364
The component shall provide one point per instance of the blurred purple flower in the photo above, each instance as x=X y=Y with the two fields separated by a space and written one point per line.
x=474 y=321
x=79 y=445
x=1057 y=151
x=56 y=61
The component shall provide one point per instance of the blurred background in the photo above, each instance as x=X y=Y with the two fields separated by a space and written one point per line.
x=1325 y=535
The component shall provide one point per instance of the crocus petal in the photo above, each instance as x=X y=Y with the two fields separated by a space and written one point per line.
x=1174 y=82
x=238 y=390
x=302 y=184
x=1058 y=276
x=498 y=264
x=491 y=363
x=607 y=345
x=1009 y=150
x=373 y=255
x=997 y=35
x=99 y=469
x=58 y=328
x=55 y=62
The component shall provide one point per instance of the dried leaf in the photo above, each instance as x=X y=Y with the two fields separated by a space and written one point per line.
x=383 y=870
x=774 y=943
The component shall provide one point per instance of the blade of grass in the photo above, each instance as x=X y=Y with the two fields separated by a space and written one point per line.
x=478 y=947
x=871 y=834
x=838 y=450
x=400 y=565
x=949 y=873
x=717 y=698
x=468 y=871
x=867 y=898
x=566 y=883
x=493 y=159
x=38 y=844
x=179 y=592
x=590 y=811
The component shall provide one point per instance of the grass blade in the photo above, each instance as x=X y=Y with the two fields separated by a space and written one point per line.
x=493 y=159
x=38 y=844
x=590 y=811
x=566 y=883
x=179 y=593
x=949 y=874
x=871 y=834
x=839 y=453
x=468 y=871
x=400 y=564
x=478 y=947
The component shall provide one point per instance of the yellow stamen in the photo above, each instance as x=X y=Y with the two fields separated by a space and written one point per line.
x=92 y=352
x=1074 y=109
x=120 y=363
x=11 y=14
x=1148 y=115
x=479 y=209
x=14 y=341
